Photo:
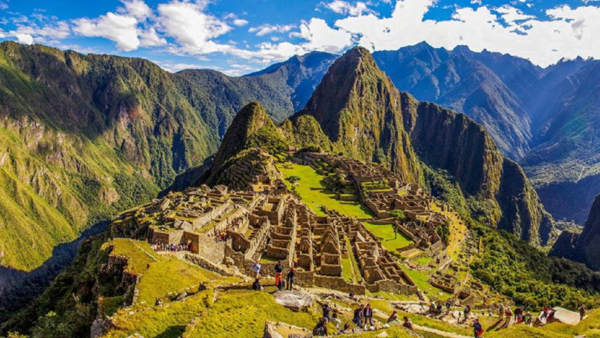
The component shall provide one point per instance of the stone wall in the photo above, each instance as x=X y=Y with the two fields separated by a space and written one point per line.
x=338 y=283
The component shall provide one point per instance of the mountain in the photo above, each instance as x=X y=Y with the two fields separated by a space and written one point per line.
x=484 y=86
x=282 y=89
x=357 y=107
x=84 y=136
x=544 y=118
x=564 y=162
x=582 y=247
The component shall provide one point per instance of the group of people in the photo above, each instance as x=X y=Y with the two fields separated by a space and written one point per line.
x=280 y=283
x=158 y=246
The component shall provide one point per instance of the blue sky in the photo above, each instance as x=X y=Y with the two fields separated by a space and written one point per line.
x=241 y=36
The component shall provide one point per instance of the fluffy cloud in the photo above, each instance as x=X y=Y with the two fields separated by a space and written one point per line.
x=24 y=38
x=567 y=33
x=136 y=8
x=121 y=29
x=320 y=36
x=191 y=27
x=240 y=22
x=345 y=8
x=269 y=29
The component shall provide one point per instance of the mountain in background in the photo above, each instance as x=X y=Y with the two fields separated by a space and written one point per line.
x=545 y=119
x=367 y=118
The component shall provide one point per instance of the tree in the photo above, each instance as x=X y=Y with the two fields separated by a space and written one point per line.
x=293 y=179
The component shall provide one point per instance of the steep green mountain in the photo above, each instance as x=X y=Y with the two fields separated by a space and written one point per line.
x=358 y=108
x=543 y=118
x=252 y=129
x=84 y=136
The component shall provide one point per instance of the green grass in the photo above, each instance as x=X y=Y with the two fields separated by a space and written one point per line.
x=315 y=199
x=243 y=314
x=162 y=274
x=385 y=233
x=421 y=279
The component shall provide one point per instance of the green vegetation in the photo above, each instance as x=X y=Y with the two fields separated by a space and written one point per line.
x=229 y=316
x=390 y=238
x=312 y=191
x=422 y=281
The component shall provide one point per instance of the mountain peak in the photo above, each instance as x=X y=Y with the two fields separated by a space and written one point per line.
x=359 y=109
x=246 y=123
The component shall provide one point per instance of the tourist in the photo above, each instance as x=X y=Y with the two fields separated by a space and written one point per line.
x=321 y=328
x=345 y=329
x=581 y=312
x=432 y=307
x=545 y=312
x=466 y=312
x=335 y=319
x=327 y=310
x=550 y=315
x=291 y=275
x=368 y=316
x=278 y=271
x=359 y=316
x=477 y=328
x=528 y=318
x=256 y=267
x=407 y=323
x=501 y=312
x=448 y=306
x=256 y=285
x=393 y=317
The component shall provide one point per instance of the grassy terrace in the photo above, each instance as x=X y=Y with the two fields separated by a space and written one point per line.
x=389 y=240
x=161 y=274
x=422 y=281
x=311 y=189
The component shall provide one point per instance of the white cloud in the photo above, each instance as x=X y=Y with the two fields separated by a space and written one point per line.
x=240 y=22
x=321 y=37
x=346 y=8
x=136 y=8
x=119 y=28
x=476 y=2
x=269 y=29
x=568 y=33
x=149 y=38
x=24 y=38
x=192 y=28
x=3 y=6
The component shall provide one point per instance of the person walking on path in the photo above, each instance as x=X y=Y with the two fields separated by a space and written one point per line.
x=256 y=268
x=368 y=315
x=291 y=275
x=278 y=271
x=581 y=312
x=477 y=328
x=359 y=316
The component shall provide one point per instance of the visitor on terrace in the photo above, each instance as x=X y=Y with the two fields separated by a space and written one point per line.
x=368 y=316
x=278 y=270
x=581 y=312
x=335 y=320
x=291 y=275
x=256 y=285
x=359 y=316
x=327 y=310
x=256 y=268
x=467 y=311
x=407 y=323
x=477 y=328
x=448 y=306
x=393 y=317
x=321 y=328
x=528 y=318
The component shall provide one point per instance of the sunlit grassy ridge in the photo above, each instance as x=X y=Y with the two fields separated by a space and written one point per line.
x=390 y=239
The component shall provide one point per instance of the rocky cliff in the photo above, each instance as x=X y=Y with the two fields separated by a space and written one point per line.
x=501 y=193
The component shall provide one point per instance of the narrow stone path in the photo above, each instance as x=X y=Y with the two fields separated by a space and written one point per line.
x=438 y=332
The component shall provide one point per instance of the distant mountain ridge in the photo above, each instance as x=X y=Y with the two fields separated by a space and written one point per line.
x=543 y=118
